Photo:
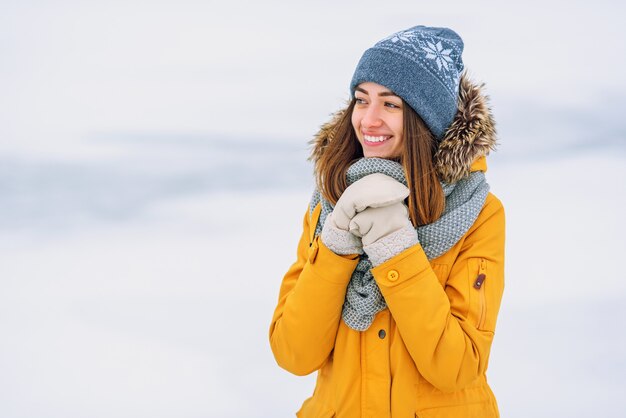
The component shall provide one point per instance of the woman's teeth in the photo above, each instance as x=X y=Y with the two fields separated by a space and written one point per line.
x=375 y=138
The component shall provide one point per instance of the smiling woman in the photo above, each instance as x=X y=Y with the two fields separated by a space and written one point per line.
x=378 y=120
x=395 y=292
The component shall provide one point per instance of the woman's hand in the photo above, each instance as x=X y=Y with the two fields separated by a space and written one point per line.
x=385 y=231
x=375 y=223
x=372 y=191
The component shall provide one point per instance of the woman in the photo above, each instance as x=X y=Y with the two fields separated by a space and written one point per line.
x=394 y=295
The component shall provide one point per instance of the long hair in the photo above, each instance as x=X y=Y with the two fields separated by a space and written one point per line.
x=426 y=201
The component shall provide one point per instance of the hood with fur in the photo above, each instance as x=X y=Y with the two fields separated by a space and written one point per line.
x=471 y=135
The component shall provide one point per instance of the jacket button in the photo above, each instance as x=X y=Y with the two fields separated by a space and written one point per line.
x=393 y=275
x=382 y=334
x=313 y=252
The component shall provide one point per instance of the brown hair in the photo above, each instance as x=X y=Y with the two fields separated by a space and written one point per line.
x=426 y=201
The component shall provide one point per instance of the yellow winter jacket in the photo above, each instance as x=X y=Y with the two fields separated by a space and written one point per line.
x=425 y=355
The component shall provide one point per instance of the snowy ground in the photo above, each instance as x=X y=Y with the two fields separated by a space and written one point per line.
x=122 y=296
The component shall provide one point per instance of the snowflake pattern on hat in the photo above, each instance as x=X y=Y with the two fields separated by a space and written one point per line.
x=438 y=55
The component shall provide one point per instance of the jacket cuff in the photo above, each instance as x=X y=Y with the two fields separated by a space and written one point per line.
x=410 y=265
x=326 y=264
x=391 y=245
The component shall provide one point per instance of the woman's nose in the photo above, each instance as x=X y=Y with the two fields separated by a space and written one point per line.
x=371 y=118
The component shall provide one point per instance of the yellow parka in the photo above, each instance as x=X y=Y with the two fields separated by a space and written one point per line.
x=426 y=354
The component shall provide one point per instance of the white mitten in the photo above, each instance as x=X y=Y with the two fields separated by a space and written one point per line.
x=373 y=191
x=385 y=231
x=340 y=241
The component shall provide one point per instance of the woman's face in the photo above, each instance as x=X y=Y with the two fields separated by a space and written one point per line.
x=377 y=120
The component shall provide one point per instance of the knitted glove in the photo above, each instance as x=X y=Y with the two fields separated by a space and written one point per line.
x=385 y=231
x=374 y=190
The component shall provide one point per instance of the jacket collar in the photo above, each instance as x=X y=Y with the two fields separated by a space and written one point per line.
x=463 y=148
x=479 y=164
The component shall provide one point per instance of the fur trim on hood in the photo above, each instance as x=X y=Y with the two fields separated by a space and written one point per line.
x=471 y=135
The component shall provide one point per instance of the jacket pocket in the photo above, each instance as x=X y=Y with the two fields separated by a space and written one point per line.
x=478 y=277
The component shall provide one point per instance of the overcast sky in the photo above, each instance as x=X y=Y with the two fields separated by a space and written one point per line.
x=73 y=71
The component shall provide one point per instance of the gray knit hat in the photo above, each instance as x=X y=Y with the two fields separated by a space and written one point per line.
x=423 y=66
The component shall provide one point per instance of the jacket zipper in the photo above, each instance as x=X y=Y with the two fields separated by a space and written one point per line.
x=478 y=284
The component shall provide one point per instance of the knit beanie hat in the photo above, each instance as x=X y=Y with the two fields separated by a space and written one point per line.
x=423 y=66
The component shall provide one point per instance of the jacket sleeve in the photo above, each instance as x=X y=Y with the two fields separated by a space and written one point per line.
x=306 y=319
x=448 y=329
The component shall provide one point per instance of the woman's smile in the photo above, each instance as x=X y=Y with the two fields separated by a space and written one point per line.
x=375 y=140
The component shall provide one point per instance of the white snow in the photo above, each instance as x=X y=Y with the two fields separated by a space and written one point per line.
x=166 y=314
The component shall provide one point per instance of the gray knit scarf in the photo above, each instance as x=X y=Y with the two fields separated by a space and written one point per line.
x=464 y=200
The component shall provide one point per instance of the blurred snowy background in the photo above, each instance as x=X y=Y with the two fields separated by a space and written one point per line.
x=153 y=177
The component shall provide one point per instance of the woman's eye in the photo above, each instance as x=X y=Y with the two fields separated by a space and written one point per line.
x=359 y=100
x=392 y=105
